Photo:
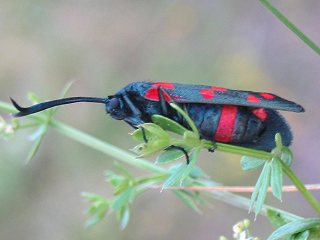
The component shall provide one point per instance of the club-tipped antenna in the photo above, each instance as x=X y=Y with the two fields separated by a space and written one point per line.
x=24 y=111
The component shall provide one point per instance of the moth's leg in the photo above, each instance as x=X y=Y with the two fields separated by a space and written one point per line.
x=144 y=135
x=213 y=148
x=163 y=94
x=135 y=119
x=181 y=149
x=164 y=98
x=163 y=102
x=136 y=112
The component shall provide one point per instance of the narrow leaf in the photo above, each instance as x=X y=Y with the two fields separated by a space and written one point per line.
x=137 y=135
x=278 y=140
x=301 y=236
x=276 y=178
x=123 y=199
x=261 y=184
x=187 y=198
x=168 y=124
x=250 y=163
x=294 y=227
x=124 y=217
x=154 y=129
x=175 y=176
x=182 y=171
x=34 y=149
x=276 y=218
x=286 y=156
x=169 y=155
x=264 y=188
x=186 y=117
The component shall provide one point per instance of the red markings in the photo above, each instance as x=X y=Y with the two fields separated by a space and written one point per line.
x=253 y=99
x=209 y=93
x=219 y=89
x=164 y=85
x=226 y=123
x=206 y=93
x=153 y=92
x=260 y=113
x=267 y=96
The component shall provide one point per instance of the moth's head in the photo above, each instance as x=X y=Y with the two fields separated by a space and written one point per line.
x=115 y=107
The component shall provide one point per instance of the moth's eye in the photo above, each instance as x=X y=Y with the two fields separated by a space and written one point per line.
x=114 y=103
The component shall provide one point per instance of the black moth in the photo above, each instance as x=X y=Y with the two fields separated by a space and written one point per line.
x=242 y=118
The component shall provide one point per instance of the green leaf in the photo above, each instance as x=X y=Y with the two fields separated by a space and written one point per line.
x=276 y=219
x=175 y=176
x=250 y=163
x=188 y=199
x=276 y=178
x=263 y=190
x=180 y=172
x=168 y=124
x=169 y=156
x=123 y=199
x=260 y=191
x=38 y=137
x=158 y=140
x=154 y=129
x=286 y=156
x=98 y=208
x=301 y=236
x=124 y=215
x=294 y=227
x=186 y=117
x=137 y=135
x=113 y=178
x=278 y=140
x=197 y=172
x=191 y=139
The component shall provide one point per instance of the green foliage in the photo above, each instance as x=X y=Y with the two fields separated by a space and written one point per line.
x=298 y=229
x=161 y=134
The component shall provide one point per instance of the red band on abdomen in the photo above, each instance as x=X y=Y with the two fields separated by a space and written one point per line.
x=226 y=123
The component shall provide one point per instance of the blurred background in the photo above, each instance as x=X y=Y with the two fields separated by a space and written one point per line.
x=104 y=45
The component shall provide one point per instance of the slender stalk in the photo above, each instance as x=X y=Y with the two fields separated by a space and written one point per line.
x=88 y=140
x=302 y=189
x=243 y=151
x=291 y=26
x=104 y=147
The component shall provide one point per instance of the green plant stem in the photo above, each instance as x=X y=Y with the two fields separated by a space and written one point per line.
x=291 y=26
x=110 y=150
x=302 y=189
x=86 y=139
x=243 y=151
x=104 y=147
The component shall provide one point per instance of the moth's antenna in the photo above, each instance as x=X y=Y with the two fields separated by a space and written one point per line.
x=24 y=111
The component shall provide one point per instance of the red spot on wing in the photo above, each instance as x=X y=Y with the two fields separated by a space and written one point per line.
x=253 y=99
x=153 y=92
x=206 y=93
x=260 y=113
x=267 y=96
x=219 y=89
x=164 y=85
x=226 y=123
